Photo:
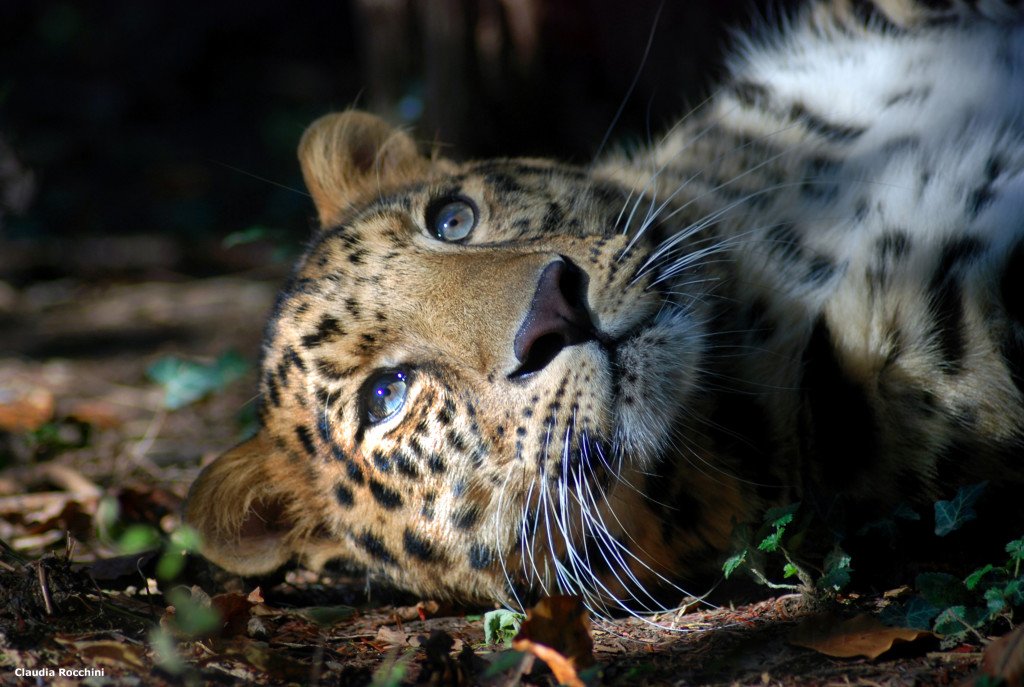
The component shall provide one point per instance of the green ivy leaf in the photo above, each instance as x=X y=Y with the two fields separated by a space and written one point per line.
x=138 y=538
x=941 y=589
x=958 y=620
x=772 y=541
x=972 y=580
x=1016 y=550
x=953 y=514
x=501 y=626
x=170 y=565
x=837 y=570
x=916 y=614
x=191 y=617
x=781 y=516
x=996 y=599
x=186 y=381
x=733 y=562
x=789 y=570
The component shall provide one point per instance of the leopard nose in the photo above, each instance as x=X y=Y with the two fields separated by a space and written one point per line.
x=557 y=317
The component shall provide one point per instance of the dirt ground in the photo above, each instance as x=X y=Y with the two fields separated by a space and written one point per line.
x=86 y=426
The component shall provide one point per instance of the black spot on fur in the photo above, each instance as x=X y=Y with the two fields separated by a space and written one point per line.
x=418 y=547
x=900 y=145
x=323 y=428
x=860 y=211
x=466 y=517
x=375 y=547
x=870 y=17
x=815 y=123
x=480 y=556
x=343 y=495
x=553 y=218
x=273 y=392
x=382 y=461
x=456 y=441
x=326 y=329
x=355 y=473
x=404 y=465
x=982 y=196
x=892 y=245
x=436 y=464
x=819 y=271
x=909 y=95
x=503 y=183
x=306 y=439
x=946 y=301
x=890 y=249
x=750 y=94
x=388 y=498
x=819 y=183
x=841 y=433
x=784 y=242
x=447 y=413
x=293 y=358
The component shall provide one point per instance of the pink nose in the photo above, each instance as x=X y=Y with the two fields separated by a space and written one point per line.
x=557 y=318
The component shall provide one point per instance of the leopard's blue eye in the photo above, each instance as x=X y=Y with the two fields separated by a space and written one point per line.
x=453 y=220
x=385 y=395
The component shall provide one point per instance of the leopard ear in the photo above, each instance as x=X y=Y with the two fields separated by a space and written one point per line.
x=242 y=511
x=348 y=154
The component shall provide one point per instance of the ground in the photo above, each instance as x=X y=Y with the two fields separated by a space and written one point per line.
x=91 y=447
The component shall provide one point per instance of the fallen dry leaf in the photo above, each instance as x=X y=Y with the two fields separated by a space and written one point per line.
x=25 y=409
x=98 y=413
x=392 y=636
x=1004 y=658
x=862 y=635
x=557 y=631
x=235 y=609
x=107 y=652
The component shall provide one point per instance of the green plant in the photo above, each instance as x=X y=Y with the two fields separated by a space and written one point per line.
x=138 y=537
x=501 y=626
x=187 y=381
x=772 y=541
x=957 y=609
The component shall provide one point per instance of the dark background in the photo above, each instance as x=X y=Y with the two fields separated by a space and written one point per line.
x=135 y=136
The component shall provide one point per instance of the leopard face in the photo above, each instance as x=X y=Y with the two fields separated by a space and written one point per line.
x=468 y=381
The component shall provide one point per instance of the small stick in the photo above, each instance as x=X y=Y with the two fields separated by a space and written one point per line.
x=44 y=585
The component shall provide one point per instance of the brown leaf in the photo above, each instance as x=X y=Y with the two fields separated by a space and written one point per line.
x=862 y=635
x=25 y=409
x=234 y=609
x=109 y=652
x=98 y=413
x=557 y=631
x=1004 y=658
x=392 y=636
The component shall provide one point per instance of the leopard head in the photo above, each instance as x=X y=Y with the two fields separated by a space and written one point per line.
x=476 y=382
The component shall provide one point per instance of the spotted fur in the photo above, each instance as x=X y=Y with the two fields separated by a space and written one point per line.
x=810 y=288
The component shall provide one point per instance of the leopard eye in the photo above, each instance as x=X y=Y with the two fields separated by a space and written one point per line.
x=384 y=396
x=453 y=220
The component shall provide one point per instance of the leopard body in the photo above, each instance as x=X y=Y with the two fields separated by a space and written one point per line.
x=810 y=289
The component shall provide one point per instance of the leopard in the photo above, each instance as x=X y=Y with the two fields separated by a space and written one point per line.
x=491 y=379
